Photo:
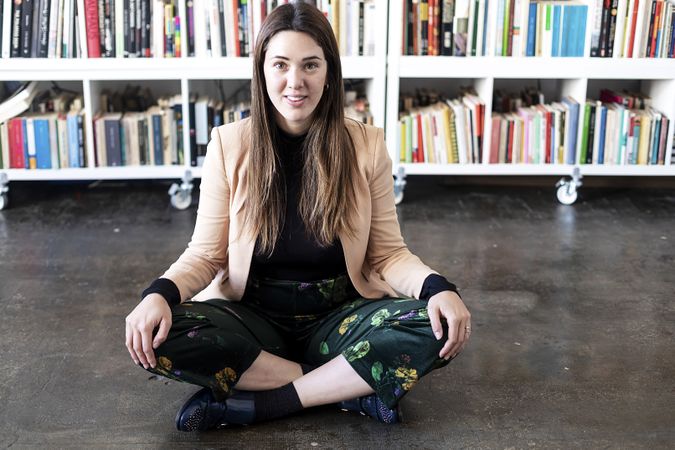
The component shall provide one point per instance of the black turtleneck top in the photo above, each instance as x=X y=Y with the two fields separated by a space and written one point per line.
x=296 y=256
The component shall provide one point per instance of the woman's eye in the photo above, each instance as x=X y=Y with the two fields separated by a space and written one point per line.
x=279 y=65
x=312 y=66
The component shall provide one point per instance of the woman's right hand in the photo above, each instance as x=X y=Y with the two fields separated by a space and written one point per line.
x=151 y=312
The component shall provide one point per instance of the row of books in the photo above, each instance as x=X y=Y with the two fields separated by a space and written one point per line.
x=444 y=132
x=44 y=140
x=155 y=28
x=633 y=29
x=521 y=28
x=615 y=134
x=152 y=136
x=540 y=134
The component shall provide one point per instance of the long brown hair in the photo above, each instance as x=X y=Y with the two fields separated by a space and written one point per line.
x=328 y=193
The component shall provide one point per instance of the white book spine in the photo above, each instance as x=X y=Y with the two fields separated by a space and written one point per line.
x=6 y=28
x=4 y=143
x=619 y=28
x=369 y=19
x=642 y=28
x=230 y=32
x=214 y=26
x=257 y=22
x=82 y=29
x=66 y=50
x=517 y=28
x=59 y=30
x=200 y=28
x=119 y=28
x=53 y=26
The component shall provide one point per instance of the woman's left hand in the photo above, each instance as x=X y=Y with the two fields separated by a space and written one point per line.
x=448 y=305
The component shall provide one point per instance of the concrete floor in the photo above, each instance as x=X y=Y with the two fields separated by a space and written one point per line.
x=573 y=315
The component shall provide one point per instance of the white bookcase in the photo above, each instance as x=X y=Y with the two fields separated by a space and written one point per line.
x=167 y=76
x=557 y=77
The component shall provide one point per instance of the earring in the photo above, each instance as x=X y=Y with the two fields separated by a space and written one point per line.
x=325 y=88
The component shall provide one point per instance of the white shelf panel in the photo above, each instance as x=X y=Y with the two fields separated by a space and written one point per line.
x=534 y=169
x=158 y=68
x=547 y=68
x=102 y=173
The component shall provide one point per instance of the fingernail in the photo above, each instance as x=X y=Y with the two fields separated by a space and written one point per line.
x=437 y=334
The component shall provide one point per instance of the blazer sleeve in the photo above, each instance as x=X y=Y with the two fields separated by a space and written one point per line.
x=387 y=253
x=207 y=251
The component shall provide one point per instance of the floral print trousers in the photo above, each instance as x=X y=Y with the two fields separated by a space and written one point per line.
x=388 y=342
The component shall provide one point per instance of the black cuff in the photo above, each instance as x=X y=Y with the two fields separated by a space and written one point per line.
x=433 y=284
x=166 y=288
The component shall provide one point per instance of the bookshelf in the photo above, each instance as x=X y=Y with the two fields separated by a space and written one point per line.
x=557 y=77
x=168 y=76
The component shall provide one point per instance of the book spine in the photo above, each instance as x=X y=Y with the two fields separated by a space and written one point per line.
x=448 y=11
x=93 y=33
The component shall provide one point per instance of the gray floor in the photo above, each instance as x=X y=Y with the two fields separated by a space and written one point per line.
x=573 y=314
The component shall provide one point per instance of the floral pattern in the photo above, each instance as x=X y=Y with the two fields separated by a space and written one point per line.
x=346 y=323
x=225 y=377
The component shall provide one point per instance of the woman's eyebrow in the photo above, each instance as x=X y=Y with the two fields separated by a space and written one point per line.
x=308 y=58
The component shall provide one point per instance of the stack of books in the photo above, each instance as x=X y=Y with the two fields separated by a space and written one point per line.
x=520 y=28
x=155 y=28
x=623 y=128
x=530 y=131
x=45 y=140
x=633 y=29
x=442 y=131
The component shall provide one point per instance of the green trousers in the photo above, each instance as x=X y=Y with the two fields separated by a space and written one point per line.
x=388 y=342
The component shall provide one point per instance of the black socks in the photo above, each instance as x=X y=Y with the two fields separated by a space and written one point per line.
x=276 y=403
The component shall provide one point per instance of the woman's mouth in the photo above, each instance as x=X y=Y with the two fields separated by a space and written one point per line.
x=295 y=100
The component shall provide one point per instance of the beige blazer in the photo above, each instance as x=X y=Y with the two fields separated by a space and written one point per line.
x=378 y=261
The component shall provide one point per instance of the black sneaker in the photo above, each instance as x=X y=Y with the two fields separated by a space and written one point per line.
x=202 y=412
x=372 y=406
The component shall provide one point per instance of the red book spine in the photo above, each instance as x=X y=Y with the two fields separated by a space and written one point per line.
x=235 y=26
x=420 y=139
x=17 y=156
x=549 y=126
x=512 y=125
x=93 y=35
x=633 y=22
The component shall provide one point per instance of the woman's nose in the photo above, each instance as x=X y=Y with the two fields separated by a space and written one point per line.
x=294 y=79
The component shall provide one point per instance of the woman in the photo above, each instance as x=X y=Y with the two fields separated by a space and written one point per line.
x=297 y=229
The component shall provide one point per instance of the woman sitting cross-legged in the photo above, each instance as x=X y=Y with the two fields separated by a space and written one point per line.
x=317 y=298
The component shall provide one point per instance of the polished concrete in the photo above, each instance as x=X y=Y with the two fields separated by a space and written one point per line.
x=573 y=312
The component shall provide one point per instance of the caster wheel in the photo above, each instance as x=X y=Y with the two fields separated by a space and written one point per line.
x=567 y=193
x=181 y=199
x=398 y=197
x=4 y=201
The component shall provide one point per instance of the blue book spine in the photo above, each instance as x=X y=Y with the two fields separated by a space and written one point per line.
x=603 y=131
x=571 y=138
x=25 y=143
x=556 y=30
x=566 y=31
x=157 y=139
x=73 y=141
x=655 y=143
x=43 y=150
x=531 y=29
x=636 y=141
x=582 y=14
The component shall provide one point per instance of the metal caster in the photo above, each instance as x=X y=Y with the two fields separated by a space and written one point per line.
x=399 y=185
x=4 y=189
x=567 y=189
x=181 y=195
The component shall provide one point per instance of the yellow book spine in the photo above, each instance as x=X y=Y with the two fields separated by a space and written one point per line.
x=643 y=143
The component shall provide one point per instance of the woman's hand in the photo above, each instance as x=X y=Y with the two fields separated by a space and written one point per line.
x=152 y=311
x=448 y=305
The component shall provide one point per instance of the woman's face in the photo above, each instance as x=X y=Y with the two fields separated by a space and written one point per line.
x=295 y=74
